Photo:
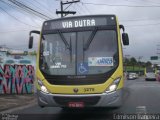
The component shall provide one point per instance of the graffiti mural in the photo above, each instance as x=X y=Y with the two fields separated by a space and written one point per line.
x=16 y=79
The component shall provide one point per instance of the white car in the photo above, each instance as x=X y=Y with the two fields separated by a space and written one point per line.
x=132 y=76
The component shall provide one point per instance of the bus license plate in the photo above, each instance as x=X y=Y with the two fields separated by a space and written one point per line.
x=76 y=104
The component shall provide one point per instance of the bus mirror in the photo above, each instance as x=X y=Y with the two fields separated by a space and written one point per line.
x=125 y=39
x=31 y=38
x=30 y=42
x=122 y=27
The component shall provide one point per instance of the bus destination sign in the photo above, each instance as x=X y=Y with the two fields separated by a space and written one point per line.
x=78 y=22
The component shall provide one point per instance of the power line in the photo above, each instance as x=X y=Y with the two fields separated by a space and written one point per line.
x=104 y=4
x=134 y=1
x=17 y=8
x=132 y=20
x=142 y=25
x=9 y=31
x=43 y=6
x=150 y=1
x=23 y=6
x=31 y=3
x=16 y=18
x=82 y=8
x=21 y=11
x=76 y=9
x=79 y=9
x=144 y=1
x=87 y=8
x=68 y=6
x=20 y=8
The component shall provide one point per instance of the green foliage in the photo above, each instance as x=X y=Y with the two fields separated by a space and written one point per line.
x=136 y=68
x=131 y=64
x=148 y=64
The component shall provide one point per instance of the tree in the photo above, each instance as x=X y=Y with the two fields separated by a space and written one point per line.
x=143 y=64
x=127 y=61
x=148 y=64
x=133 y=62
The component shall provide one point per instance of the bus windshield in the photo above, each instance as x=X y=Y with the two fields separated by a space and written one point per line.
x=150 y=70
x=79 y=53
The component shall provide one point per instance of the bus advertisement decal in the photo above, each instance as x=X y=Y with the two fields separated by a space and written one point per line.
x=100 y=61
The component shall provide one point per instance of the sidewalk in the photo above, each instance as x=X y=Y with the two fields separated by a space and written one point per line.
x=8 y=102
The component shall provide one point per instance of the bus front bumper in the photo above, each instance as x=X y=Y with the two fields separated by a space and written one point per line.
x=112 y=99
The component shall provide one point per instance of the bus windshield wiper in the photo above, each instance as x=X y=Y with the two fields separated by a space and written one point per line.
x=64 y=40
x=70 y=49
x=86 y=46
x=68 y=46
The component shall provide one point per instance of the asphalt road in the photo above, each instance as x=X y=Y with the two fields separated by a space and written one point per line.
x=141 y=97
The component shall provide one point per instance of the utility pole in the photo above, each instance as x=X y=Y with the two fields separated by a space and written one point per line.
x=63 y=12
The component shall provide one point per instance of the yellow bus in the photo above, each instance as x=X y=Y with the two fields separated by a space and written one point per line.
x=150 y=73
x=80 y=62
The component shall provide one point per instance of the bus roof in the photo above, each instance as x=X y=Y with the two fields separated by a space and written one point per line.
x=79 y=22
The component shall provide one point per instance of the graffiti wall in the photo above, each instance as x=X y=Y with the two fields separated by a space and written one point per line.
x=16 y=79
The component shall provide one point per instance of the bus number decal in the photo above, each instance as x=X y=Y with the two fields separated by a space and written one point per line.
x=88 y=89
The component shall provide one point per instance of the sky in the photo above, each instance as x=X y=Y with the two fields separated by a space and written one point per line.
x=141 y=19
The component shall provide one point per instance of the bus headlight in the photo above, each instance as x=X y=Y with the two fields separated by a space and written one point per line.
x=113 y=86
x=42 y=87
